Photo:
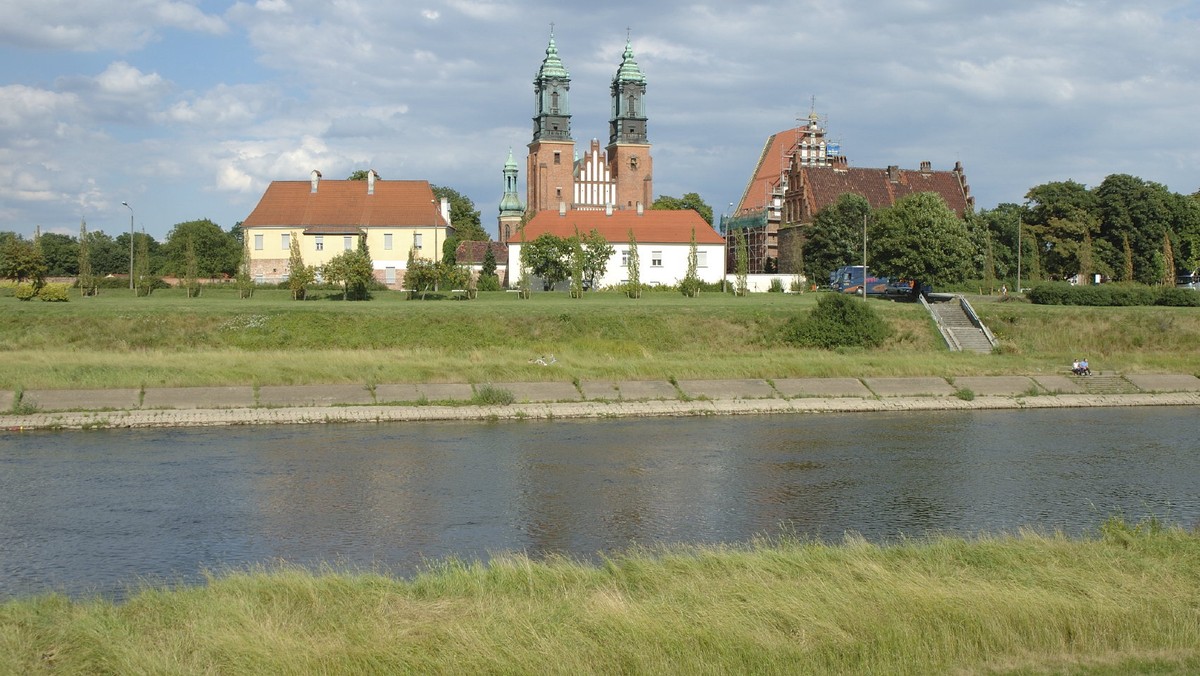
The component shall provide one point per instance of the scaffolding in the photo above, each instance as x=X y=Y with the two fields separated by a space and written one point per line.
x=755 y=226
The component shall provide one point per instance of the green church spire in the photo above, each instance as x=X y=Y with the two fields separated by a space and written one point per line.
x=552 y=118
x=510 y=203
x=628 y=121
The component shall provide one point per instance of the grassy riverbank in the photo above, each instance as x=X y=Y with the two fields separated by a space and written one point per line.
x=168 y=340
x=1124 y=601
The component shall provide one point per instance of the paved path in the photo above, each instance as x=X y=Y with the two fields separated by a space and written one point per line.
x=199 y=406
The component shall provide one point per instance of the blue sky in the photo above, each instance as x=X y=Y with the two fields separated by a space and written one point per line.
x=189 y=109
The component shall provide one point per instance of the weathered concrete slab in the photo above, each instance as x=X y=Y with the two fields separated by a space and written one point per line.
x=446 y=391
x=6 y=400
x=82 y=400
x=822 y=387
x=313 y=395
x=727 y=389
x=1059 y=384
x=1000 y=386
x=909 y=387
x=198 y=397
x=396 y=393
x=629 y=390
x=1151 y=382
x=549 y=391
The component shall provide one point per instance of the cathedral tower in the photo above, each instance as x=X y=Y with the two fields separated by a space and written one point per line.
x=552 y=153
x=511 y=209
x=628 y=148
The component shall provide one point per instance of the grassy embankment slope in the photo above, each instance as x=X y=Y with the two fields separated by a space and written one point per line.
x=168 y=340
x=1125 y=601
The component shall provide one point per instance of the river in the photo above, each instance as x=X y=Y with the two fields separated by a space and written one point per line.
x=96 y=512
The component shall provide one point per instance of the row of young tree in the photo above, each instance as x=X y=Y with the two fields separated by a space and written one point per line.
x=1125 y=229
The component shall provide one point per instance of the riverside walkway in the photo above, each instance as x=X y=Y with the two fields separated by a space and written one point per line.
x=209 y=406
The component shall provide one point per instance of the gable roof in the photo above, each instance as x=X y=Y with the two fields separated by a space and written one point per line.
x=653 y=226
x=881 y=187
x=344 y=206
x=771 y=164
x=471 y=252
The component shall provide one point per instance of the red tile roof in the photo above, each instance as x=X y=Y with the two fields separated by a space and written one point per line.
x=824 y=185
x=652 y=227
x=472 y=252
x=772 y=163
x=343 y=206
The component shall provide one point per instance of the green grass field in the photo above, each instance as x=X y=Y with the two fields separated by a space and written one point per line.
x=116 y=340
x=1122 y=601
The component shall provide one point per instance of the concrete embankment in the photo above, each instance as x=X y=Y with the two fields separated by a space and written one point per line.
x=215 y=406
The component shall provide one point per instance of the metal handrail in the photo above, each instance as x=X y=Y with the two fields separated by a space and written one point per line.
x=947 y=334
x=966 y=306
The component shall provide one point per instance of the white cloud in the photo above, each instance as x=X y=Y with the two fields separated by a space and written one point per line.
x=100 y=24
x=431 y=14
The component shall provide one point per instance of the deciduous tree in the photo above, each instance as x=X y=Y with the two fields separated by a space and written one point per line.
x=690 y=200
x=299 y=274
x=216 y=250
x=835 y=237
x=548 y=257
x=597 y=252
x=463 y=215
x=920 y=238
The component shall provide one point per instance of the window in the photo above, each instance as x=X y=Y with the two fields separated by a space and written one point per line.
x=656 y=259
x=702 y=259
x=259 y=278
x=348 y=242
x=389 y=275
x=285 y=241
x=258 y=242
x=387 y=241
x=320 y=242
x=417 y=240
x=557 y=157
x=624 y=258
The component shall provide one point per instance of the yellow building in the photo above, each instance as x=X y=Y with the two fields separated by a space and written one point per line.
x=327 y=218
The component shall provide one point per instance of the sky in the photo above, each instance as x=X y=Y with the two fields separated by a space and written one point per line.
x=188 y=109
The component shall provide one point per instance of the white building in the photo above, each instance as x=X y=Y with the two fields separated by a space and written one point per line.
x=663 y=242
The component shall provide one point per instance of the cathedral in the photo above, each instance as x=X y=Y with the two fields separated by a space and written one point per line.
x=617 y=177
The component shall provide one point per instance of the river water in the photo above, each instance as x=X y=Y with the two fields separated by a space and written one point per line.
x=97 y=512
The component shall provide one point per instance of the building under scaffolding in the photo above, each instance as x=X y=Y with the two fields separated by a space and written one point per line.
x=756 y=227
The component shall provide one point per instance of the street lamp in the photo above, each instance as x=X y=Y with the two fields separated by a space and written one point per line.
x=130 y=244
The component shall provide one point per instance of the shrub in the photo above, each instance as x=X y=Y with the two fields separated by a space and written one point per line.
x=1061 y=293
x=1178 y=298
x=56 y=293
x=488 y=283
x=839 y=320
x=776 y=285
x=25 y=292
x=490 y=395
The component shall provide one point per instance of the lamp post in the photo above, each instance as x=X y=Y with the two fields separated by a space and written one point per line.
x=864 y=282
x=130 y=244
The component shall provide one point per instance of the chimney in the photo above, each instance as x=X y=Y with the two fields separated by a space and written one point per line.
x=371 y=176
x=640 y=209
x=926 y=166
x=893 y=173
x=446 y=210
x=608 y=209
x=315 y=177
x=562 y=209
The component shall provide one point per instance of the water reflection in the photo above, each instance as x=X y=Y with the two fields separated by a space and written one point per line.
x=97 y=510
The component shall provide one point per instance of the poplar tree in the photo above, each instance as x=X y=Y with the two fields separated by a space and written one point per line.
x=87 y=280
x=299 y=274
x=742 y=263
x=690 y=286
x=245 y=282
x=1168 y=278
x=191 y=274
x=634 y=289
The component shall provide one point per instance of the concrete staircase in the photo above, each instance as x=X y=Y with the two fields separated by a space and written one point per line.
x=1104 y=383
x=953 y=320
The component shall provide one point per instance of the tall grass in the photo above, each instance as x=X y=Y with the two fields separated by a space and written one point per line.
x=115 y=340
x=1121 y=602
